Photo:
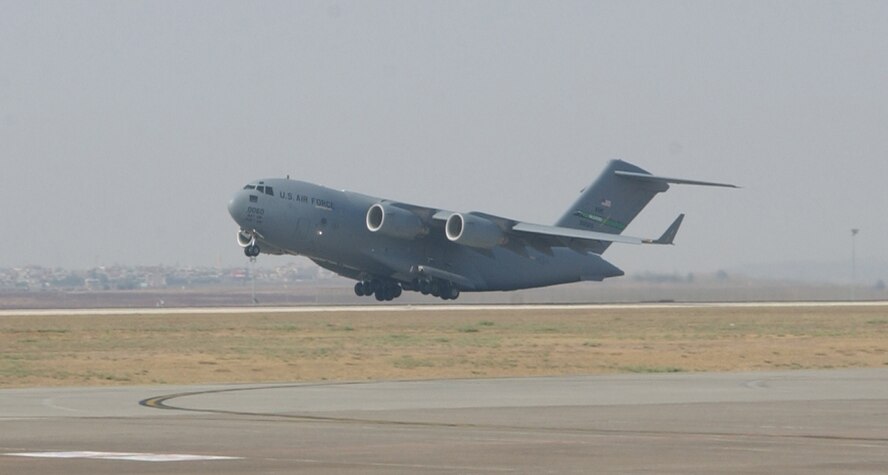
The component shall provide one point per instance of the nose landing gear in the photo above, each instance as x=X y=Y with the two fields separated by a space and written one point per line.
x=246 y=238
x=251 y=251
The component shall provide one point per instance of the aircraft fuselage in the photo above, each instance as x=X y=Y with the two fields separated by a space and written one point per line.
x=329 y=227
x=390 y=246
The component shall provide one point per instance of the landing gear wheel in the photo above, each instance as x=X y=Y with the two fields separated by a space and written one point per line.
x=251 y=250
x=449 y=293
x=381 y=289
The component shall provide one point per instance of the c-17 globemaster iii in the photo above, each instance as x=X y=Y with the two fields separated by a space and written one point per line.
x=390 y=246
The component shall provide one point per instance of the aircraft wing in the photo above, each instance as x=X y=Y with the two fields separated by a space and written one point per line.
x=570 y=233
x=539 y=236
x=542 y=236
x=426 y=214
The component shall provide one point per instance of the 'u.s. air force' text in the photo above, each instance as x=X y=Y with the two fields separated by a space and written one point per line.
x=320 y=203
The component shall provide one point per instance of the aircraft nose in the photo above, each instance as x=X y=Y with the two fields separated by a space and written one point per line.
x=237 y=206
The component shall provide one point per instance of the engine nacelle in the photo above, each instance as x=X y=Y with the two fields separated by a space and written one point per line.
x=473 y=231
x=395 y=222
x=245 y=238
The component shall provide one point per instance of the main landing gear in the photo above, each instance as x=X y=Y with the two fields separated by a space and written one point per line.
x=438 y=288
x=385 y=290
x=382 y=290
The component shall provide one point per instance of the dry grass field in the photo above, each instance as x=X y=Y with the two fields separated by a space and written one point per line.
x=312 y=346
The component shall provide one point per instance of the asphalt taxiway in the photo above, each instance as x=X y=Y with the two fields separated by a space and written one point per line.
x=778 y=422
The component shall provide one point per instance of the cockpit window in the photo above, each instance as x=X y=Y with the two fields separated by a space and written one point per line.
x=260 y=189
x=269 y=191
x=250 y=187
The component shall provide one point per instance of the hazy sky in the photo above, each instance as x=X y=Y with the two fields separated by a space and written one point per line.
x=126 y=126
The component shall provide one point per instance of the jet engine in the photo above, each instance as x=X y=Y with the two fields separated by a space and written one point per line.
x=473 y=231
x=394 y=222
x=245 y=238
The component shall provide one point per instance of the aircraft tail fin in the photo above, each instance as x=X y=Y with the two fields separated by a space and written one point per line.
x=615 y=199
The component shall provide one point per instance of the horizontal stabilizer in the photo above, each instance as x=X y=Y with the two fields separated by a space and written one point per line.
x=669 y=235
x=663 y=179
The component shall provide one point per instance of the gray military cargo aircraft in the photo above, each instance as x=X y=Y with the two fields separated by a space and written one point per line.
x=389 y=246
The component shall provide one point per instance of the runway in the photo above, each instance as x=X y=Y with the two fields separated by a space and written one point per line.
x=775 y=422
x=451 y=307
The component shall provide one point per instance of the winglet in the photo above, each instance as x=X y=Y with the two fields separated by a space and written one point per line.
x=670 y=232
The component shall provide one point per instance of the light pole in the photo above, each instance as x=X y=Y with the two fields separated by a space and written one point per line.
x=854 y=232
